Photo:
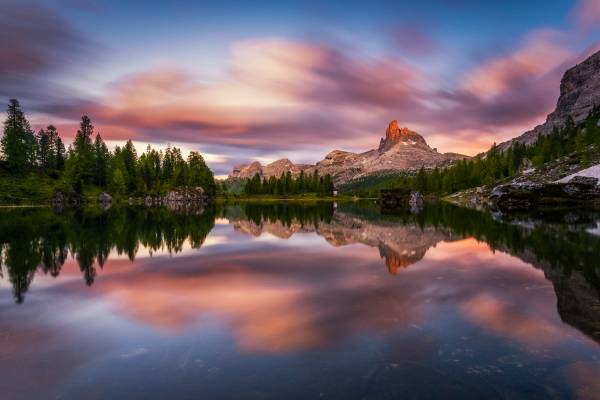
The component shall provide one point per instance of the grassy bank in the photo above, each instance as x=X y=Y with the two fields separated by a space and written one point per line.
x=36 y=189
x=26 y=189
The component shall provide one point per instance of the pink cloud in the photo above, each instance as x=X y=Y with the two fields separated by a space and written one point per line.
x=278 y=95
x=587 y=14
x=504 y=73
x=274 y=92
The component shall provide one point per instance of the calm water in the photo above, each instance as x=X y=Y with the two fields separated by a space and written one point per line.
x=298 y=302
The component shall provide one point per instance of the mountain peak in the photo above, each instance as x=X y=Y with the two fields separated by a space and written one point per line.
x=394 y=134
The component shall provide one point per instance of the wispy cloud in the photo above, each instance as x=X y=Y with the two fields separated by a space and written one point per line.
x=36 y=45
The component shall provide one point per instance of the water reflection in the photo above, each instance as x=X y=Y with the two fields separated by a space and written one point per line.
x=39 y=239
x=291 y=301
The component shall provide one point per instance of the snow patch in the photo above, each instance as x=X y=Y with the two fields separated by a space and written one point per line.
x=592 y=172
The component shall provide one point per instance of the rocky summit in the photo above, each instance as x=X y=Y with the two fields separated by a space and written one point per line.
x=401 y=150
x=579 y=94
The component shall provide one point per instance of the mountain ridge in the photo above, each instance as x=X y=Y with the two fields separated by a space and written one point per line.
x=401 y=150
x=579 y=94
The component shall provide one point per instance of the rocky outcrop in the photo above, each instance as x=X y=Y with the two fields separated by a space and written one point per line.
x=579 y=94
x=180 y=198
x=400 y=199
x=62 y=199
x=528 y=195
x=401 y=150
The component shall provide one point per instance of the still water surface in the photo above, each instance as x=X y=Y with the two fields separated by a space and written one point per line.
x=293 y=301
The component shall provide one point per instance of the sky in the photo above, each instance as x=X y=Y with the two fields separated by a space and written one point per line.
x=242 y=81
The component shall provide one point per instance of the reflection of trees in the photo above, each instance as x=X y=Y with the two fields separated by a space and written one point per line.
x=34 y=240
x=288 y=213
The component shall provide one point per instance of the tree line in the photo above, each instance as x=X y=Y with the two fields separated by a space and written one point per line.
x=88 y=160
x=287 y=184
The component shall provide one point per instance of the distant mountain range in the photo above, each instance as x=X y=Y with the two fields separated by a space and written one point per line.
x=402 y=150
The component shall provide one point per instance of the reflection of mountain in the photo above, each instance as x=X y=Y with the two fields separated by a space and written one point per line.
x=400 y=245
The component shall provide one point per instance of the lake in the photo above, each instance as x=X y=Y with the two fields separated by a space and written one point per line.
x=299 y=301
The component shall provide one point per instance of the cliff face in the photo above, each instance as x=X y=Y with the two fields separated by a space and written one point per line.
x=401 y=150
x=579 y=94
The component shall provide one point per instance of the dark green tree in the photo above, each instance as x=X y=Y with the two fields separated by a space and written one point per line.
x=82 y=159
x=102 y=162
x=18 y=143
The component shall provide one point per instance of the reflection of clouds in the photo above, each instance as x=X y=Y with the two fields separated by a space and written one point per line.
x=37 y=342
x=281 y=299
x=529 y=326
x=293 y=298
x=584 y=377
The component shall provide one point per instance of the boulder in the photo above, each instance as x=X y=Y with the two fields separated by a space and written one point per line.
x=415 y=202
x=104 y=198
x=512 y=197
x=528 y=195
x=186 y=197
x=59 y=200
x=400 y=199
x=62 y=199
x=584 y=180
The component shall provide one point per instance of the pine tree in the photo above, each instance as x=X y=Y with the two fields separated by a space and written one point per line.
x=56 y=150
x=83 y=151
x=129 y=158
x=18 y=142
x=102 y=161
x=199 y=174
x=44 y=149
x=118 y=182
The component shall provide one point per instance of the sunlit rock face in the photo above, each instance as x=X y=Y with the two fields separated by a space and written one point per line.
x=401 y=150
x=276 y=168
x=246 y=171
x=394 y=135
x=579 y=94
